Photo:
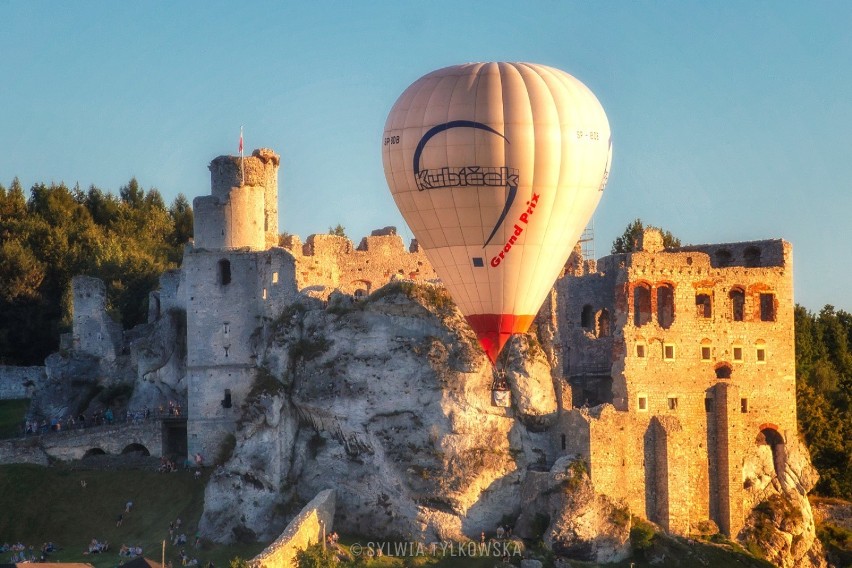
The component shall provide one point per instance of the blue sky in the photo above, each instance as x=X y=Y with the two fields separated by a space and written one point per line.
x=731 y=120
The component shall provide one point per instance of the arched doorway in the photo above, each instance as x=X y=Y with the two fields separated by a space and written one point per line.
x=94 y=452
x=136 y=448
x=770 y=436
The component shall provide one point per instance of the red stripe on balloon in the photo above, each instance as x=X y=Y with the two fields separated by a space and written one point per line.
x=494 y=330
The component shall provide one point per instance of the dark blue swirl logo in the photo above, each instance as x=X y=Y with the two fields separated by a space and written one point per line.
x=466 y=176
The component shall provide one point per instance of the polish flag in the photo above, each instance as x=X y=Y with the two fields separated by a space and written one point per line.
x=241 y=140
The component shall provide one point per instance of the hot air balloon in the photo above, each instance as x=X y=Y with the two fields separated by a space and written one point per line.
x=497 y=169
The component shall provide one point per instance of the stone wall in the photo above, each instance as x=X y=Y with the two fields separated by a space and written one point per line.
x=229 y=296
x=20 y=382
x=333 y=262
x=76 y=444
x=307 y=528
x=94 y=331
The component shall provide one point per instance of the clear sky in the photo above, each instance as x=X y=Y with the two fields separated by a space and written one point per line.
x=731 y=120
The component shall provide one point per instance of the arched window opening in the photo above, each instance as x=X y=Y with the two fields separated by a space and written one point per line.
x=767 y=307
x=737 y=296
x=665 y=305
x=724 y=258
x=603 y=323
x=587 y=318
x=224 y=272
x=641 y=305
x=703 y=305
x=752 y=257
x=771 y=437
x=723 y=371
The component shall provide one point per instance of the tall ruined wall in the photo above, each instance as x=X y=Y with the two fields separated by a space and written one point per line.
x=229 y=295
x=333 y=262
x=94 y=331
x=694 y=350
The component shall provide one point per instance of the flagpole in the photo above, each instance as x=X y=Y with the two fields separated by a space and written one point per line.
x=242 y=160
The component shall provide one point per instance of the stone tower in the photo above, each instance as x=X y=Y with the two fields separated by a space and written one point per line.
x=240 y=213
x=236 y=277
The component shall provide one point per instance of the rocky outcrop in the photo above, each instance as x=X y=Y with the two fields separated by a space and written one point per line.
x=575 y=522
x=388 y=400
x=780 y=526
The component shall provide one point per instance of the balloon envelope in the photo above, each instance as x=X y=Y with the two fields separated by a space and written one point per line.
x=497 y=168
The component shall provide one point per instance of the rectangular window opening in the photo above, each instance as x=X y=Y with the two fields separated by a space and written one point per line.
x=767 y=307
x=672 y=403
x=640 y=351
x=738 y=354
x=275 y=278
x=744 y=405
x=705 y=353
x=761 y=355
x=643 y=403
x=668 y=352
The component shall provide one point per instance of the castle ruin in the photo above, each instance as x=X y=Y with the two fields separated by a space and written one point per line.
x=679 y=363
x=673 y=366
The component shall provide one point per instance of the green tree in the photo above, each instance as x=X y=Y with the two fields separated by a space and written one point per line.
x=824 y=395
x=339 y=230
x=58 y=233
x=183 y=220
x=627 y=242
x=316 y=556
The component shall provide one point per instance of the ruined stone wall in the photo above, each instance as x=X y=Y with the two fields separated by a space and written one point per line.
x=229 y=295
x=20 y=382
x=168 y=296
x=94 y=332
x=694 y=378
x=307 y=528
x=333 y=262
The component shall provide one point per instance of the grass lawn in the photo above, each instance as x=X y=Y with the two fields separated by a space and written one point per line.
x=12 y=413
x=39 y=504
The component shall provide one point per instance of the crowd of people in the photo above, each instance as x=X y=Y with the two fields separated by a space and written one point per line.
x=22 y=553
x=107 y=417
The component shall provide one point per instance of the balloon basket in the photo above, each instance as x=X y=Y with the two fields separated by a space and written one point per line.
x=501 y=398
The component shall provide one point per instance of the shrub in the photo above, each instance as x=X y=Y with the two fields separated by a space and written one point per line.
x=620 y=516
x=307 y=348
x=264 y=383
x=642 y=535
x=316 y=556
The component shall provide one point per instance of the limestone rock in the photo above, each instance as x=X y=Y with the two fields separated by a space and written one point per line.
x=585 y=525
x=388 y=400
x=529 y=376
x=582 y=524
x=781 y=522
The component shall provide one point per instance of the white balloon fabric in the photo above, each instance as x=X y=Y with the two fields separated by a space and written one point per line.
x=497 y=168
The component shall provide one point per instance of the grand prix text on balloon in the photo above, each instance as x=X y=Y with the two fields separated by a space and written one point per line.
x=523 y=218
